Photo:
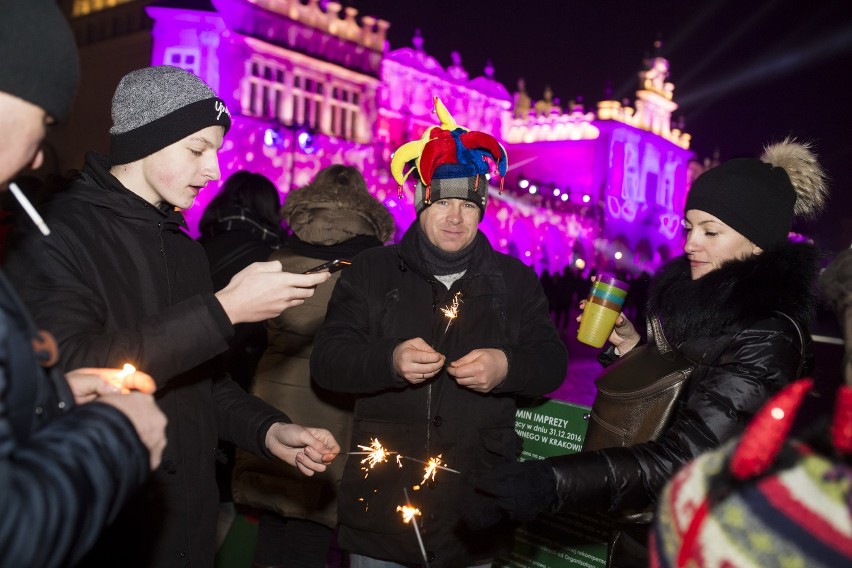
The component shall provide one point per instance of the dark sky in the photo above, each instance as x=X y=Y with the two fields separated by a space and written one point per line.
x=746 y=72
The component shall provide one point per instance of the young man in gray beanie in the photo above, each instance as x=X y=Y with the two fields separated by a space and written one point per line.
x=120 y=281
x=437 y=335
x=70 y=458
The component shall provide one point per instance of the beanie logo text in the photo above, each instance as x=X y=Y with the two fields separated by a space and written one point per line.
x=220 y=108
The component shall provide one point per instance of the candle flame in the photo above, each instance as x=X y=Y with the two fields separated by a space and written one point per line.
x=408 y=513
x=127 y=370
x=118 y=379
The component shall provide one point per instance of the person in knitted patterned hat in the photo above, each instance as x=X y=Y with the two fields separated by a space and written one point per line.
x=120 y=281
x=734 y=306
x=437 y=336
x=73 y=448
x=768 y=499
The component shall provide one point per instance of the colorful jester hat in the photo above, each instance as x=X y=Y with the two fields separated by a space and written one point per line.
x=451 y=162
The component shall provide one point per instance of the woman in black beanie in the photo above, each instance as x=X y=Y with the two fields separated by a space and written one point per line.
x=726 y=306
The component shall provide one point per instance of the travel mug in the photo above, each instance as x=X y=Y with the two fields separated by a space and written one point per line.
x=603 y=305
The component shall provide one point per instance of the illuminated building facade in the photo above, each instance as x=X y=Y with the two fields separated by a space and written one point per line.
x=311 y=84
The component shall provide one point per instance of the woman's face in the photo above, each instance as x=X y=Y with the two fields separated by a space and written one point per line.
x=710 y=242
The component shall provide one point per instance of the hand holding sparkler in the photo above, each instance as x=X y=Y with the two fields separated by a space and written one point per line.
x=415 y=361
x=87 y=384
x=309 y=449
x=481 y=370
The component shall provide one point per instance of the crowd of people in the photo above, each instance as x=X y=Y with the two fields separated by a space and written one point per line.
x=247 y=350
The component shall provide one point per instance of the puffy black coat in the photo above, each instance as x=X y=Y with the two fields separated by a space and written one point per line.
x=386 y=297
x=65 y=470
x=726 y=323
x=118 y=281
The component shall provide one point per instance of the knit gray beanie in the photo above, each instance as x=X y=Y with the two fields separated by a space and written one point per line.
x=155 y=107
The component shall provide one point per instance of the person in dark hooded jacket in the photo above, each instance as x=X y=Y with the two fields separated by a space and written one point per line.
x=726 y=305
x=119 y=281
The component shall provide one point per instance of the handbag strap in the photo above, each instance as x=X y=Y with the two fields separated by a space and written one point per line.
x=801 y=341
x=656 y=335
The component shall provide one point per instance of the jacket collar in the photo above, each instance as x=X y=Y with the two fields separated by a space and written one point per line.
x=779 y=279
x=96 y=185
x=483 y=259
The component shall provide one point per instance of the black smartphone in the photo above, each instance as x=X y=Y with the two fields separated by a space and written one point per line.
x=332 y=266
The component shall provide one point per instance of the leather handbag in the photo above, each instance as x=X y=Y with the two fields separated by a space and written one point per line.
x=637 y=394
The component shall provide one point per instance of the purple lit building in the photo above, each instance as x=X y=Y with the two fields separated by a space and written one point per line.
x=311 y=84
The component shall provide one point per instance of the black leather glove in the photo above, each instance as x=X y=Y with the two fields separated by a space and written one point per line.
x=522 y=489
x=480 y=511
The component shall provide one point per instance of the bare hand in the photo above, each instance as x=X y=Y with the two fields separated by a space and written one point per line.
x=481 y=370
x=624 y=336
x=146 y=417
x=262 y=291
x=415 y=361
x=88 y=383
x=309 y=449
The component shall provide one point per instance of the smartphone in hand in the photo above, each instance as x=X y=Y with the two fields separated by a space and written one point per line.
x=332 y=266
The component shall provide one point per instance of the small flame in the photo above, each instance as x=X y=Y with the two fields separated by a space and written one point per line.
x=408 y=513
x=125 y=372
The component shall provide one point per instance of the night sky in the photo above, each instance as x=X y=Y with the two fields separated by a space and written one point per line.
x=746 y=72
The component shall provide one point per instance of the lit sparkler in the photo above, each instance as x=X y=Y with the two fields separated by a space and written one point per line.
x=451 y=312
x=408 y=515
x=376 y=454
x=432 y=466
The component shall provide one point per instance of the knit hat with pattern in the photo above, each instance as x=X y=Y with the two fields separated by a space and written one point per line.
x=155 y=107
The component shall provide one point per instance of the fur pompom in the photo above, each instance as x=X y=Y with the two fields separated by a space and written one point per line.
x=806 y=175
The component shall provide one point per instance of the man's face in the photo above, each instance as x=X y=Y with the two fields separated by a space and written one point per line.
x=450 y=224
x=177 y=173
x=22 y=125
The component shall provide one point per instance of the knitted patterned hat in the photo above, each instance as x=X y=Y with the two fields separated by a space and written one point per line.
x=155 y=107
x=38 y=57
x=762 y=500
x=759 y=198
x=451 y=162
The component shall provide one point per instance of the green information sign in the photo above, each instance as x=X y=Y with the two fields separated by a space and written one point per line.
x=549 y=429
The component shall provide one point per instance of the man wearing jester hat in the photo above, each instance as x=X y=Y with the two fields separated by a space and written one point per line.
x=437 y=335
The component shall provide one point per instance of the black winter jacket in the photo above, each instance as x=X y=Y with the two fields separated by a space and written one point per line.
x=726 y=323
x=386 y=297
x=65 y=470
x=117 y=281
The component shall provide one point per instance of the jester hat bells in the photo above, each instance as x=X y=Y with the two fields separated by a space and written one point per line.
x=451 y=162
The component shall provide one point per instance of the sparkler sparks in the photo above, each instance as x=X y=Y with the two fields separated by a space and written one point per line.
x=408 y=514
x=376 y=454
x=451 y=312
